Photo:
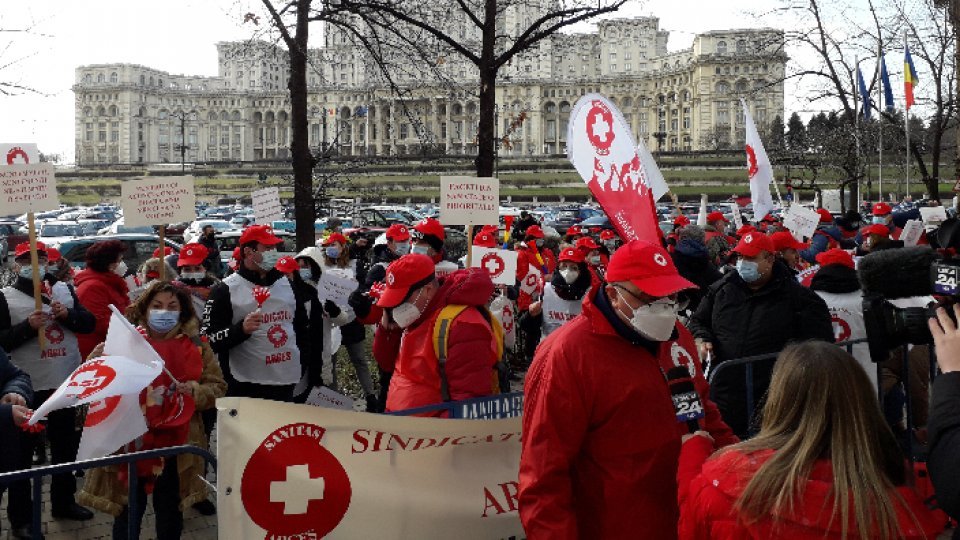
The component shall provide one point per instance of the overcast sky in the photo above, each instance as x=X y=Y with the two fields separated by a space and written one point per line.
x=179 y=36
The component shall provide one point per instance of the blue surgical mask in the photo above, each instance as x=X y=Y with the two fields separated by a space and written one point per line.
x=270 y=259
x=401 y=248
x=421 y=250
x=748 y=270
x=306 y=274
x=162 y=321
x=333 y=252
x=26 y=271
x=879 y=220
x=539 y=242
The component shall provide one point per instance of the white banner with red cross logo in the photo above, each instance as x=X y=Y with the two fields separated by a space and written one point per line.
x=296 y=471
x=501 y=264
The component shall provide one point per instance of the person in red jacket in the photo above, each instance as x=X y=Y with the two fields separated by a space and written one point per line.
x=824 y=465
x=99 y=285
x=601 y=433
x=412 y=301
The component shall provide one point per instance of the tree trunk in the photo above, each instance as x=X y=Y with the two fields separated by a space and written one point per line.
x=303 y=162
x=486 y=150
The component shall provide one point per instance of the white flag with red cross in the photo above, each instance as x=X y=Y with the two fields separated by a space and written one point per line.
x=758 y=168
x=501 y=264
x=532 y=281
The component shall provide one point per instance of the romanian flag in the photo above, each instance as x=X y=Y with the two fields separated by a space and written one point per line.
x=909 y=76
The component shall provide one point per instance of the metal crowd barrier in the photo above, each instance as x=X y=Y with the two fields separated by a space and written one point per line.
x=482 y=408
x=35 y=475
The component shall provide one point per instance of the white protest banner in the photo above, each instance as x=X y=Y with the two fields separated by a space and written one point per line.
x=466 y=200
x=759 y=169
x=911 y=232
x=157 y=201
x=296 y=471
x=801 y=221
x=19 y=154
x=500 y=263
x=266 y=205
x=28 y=188
x=321 y=396
x=933 y=215
x=336 y=287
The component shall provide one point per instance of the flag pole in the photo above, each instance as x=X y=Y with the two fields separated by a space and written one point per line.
x=858 y=110
x=906 y=118
x=880 y=124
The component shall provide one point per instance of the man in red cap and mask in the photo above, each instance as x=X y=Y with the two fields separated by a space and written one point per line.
x=755 y=310
x=429 y=240
x=413 y=300
x=605 y=413
x=254 y=320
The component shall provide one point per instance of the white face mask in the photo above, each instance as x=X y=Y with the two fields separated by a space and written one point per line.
x=654 y=321
x=570 y=276
x=401 y=248
x=26 y=272
x=421 y=250
x=406 y=313
x=594 y=260
x=196 y=276
x=121 y=269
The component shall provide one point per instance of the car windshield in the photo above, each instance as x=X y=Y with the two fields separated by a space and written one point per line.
x=60 y=230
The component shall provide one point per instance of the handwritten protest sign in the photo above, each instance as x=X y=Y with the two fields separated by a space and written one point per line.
x=157 y=201
x=500 y=263
x=336 y=287
x=911 y=232
x=465 y=200
x=933 y=215
x=28 y=188
x=801 y=221
x=266 y=205
x=321 y=396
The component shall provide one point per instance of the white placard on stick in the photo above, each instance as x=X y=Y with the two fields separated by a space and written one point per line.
x=466 y=200
x=737 y=218
x=321 y=396
x=801 y=221
x=19 y=154
x=28 y=188
x=266 y=205
x=336 y=287
x=501 y=264
x=158 y=201
x=911 y=232
x=933 y=215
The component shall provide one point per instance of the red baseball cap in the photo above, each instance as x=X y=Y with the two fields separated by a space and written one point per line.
x=716 y=216
x=769 y=218
x=402 y=274
x=492 y=229
x=262 y=234
x=398 y=232
x=825 y=215
x=785 y=240
x=649 y=267
x=877 y=229
x=753 y=243
x=485 y=239
x=607 y=234
x=835 y=256
x=571 y=255
x=335 y=237
x=586 y=243
x=882 y=209
x=24 y=248
x=747 y=228
x=681 y=221
x=431 y=227
x=574 y=231
x=192 y=254
x=534 y=231
x=53 y=254
x=167 y=250
x=287 y=265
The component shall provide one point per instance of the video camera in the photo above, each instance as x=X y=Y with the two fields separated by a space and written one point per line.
x=903 y=273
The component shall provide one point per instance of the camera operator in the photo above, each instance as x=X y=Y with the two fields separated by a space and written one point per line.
x=943 y=459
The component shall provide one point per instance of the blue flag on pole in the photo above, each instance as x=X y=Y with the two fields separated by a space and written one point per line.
x=864 y=95
x=887 y=89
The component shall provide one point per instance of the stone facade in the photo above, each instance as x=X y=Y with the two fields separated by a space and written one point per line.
x=681 y=101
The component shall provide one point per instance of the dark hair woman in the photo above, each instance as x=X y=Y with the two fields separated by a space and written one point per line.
x=100 y=284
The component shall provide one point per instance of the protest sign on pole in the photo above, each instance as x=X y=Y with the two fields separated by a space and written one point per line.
x=601 y=147
x=801 y=221
x=19 y=154
x=933 y=216
x=911 y=232
x=160 y=202
x=737 y=218
x=702 y=216
x=336 y=287
x=296 y=471
x=500 y=263
x=266 y=205
x=467 y=200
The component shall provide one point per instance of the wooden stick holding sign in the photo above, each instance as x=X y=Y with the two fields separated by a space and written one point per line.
x=469 y=243
x=35 y=263
x=466 y=200
x=163 y=264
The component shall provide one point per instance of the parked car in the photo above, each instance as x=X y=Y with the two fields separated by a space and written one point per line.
x=10 y=237
x=140 y=247
x=117 y=227
x=193 y=231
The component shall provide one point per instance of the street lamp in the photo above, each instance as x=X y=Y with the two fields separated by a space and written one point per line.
x=183 y=146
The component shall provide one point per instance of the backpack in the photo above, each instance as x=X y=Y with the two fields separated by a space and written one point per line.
x=500 y=382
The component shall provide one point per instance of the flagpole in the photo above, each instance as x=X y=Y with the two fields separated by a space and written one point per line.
x=906 y=118
x=880 y=122
x=855 y=77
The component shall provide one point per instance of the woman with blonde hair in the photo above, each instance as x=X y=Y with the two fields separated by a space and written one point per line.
x=824 y=465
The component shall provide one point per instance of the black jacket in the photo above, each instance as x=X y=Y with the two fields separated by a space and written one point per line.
x=12 y=381
x=836 y=279
x=943 y=427
x=693 y=262
x=12 y=336
x=377 y=272
x=213 y=262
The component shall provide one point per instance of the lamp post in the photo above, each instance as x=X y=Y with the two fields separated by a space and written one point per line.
x=183 y=146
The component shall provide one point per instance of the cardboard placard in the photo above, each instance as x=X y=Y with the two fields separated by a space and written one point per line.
x=801 y=221
x=911 y=232
x=266 y=205
x=737 y=218
x=336 y=287
x=321 y=396
x=500 y=263
x=933 y=215
x=159 y=201
x=466 y=200
x=28 y=188
x=19 y=154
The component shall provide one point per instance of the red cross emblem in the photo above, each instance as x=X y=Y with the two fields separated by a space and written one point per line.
x=600 y=127
x=841 y=329
x=507 y=318
x=752 y=166
x=17 y=152
x=277 y=335
x=293 y=486
x=493 y=263
x=54 y=333
x=91 y=378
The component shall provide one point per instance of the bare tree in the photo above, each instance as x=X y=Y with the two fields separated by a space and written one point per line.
x=489 y=34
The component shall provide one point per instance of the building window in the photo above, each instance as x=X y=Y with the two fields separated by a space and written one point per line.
x=626 y=55
x=627 y=67
x=613 y=67
x=99 y=77
x=212 y=141
x=236 y=138
x=164 y=135
x=613 y=57
x=114 y=77
x=741 y=46
x=102 y=135
x=192 y=136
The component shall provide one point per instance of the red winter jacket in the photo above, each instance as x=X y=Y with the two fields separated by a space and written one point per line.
x=471 y=350
x=600 y=435
x=96 y=291
x=709 y=489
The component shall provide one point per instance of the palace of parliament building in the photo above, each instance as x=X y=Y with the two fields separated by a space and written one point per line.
x=686 y=100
